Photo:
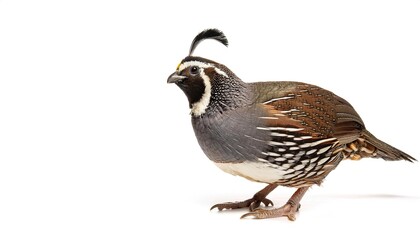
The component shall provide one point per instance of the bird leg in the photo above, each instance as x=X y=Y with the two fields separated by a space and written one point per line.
x=289 y=210
x=252 y=203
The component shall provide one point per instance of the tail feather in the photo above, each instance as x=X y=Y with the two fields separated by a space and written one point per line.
x=368 y=145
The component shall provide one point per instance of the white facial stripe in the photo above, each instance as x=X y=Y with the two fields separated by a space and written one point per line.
x=199 y=107
x=220 y=72
x=201 y=65
x=194 y=63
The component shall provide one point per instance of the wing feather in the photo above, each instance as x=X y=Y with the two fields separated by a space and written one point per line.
x=315 y=109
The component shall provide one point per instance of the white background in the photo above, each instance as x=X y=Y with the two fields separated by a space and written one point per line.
x=95 y=145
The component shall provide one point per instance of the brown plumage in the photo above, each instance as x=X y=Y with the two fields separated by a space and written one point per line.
x=323 y=114
x=321 y=117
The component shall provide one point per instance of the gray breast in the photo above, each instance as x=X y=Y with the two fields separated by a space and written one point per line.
x=231 y=136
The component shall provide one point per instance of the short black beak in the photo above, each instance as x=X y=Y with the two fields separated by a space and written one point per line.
x=175 y=78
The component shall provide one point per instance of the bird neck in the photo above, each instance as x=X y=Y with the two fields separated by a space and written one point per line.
x=228 y=95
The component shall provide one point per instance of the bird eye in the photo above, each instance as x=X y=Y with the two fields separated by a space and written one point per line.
x=194 y=70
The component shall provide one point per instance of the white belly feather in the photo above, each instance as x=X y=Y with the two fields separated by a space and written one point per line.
x=254 y=171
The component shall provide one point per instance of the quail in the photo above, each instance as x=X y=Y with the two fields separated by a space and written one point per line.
x=285 y=133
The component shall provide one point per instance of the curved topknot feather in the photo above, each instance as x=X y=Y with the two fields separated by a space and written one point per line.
x=212 y=33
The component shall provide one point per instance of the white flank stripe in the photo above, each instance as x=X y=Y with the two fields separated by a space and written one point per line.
x=275 y=143
x=285 y=143
x=276 y=134
x=276 y=99
x=322 y=150
x=311 y=166
x=286 y=165
x=306 y=137
x=272 y=118
x=293 y=129
x=291 y=110
x=280 y=129
x=262 y=160
x=311 y=144
x=322 y=161
x=310 y=152
x=300 y=153
x=300 y=166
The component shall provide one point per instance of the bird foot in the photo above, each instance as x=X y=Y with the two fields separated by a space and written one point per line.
x=252 y=204
x=288 y=210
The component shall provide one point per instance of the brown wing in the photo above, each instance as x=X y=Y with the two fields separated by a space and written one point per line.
x=310 y=128
x=321 y=113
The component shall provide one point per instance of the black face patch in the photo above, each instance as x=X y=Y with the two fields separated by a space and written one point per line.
x=193 y=86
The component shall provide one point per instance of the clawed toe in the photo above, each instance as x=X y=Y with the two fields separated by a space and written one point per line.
x=232 y=205
x=227 y=206
x=252 y=204
x=255 y=214
x=256 y=204
x=287 y=210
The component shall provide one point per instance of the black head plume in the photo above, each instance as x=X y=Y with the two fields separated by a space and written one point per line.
x=208 y=34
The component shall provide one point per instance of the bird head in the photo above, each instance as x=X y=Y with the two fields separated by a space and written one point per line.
x=202 y=80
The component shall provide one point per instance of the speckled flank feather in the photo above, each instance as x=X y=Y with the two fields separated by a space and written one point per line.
x=304 y=160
